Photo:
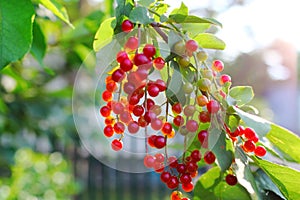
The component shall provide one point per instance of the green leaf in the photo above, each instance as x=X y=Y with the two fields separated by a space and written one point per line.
x=209 y=41
x=211 y=186
x=140 y=15
x=221 y=147
x=196 y=19
x=104 y=34
x=145 y=3
x=109 y=7
x=286 y=178
x=38 y=47
x=260 y=125
x=16 y=19
x=57 y=9
x=232 y=121
x=193 y=29
x=178 y=15
x=265 y=183
x=285 y=141
x=241 y=94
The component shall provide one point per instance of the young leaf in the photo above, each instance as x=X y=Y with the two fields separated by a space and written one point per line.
x=241 y=94
x=286 y=178
x=196 y=19
x=57 y=9
x=16 y=30
x=38 y=47
x=209 y=41
x=221 y=147
x=193 y=29
x=211 y=186
x=104 y=34
x=140 y=15
x=178 y=15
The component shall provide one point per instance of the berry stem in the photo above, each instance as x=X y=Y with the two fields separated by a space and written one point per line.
x=159 y=31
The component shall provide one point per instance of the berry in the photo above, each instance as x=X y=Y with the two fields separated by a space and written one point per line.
x=149 y=104
x=107 y=96
x=158 y=167
x=204 y=84
x=129 y=88
x=111 y=86
x=109 y=120
x=140 y=59
x=224 y=79
x=204 y=117
x=108 y=131
x=159 y=157
x=133 y=127
x=250 y=134
x=118 y=108
x=172 y=161
x=119 y=127
x=191 y=166
x=153 y=90
x=142 y=122
x=196 y=155
x=149 y=50
x=156 y=109
x=217 y=65
x=127 y=26
x=188 y=187
x=203 y=138
x=160 y=142
x=249 y=146
x=260 y=151
x=156 y=124
x=161 y=85
x=181 y=168
x=191 y=45
x=105 y=111
x=185 y=178
x=176 y=195
x=149 y=161
x=202 y=56
x=213 y=106
x=202 y=100
x=132 y=43
x=151 y=140
x=165 y=177
x=125 y=117
x=149 y=116
x=177 y=108
x=118 y=75
x=159 y=63
x=207 y=73
x=126 y=65
x=116 y=145
x=178 y=121
x=133 y=99
x=173 y=183
x=192 y=125
x=209 y=157
x=184 y=61
x=231 y=179
x=166 y=128
x=188 y=88
x=138 y=110
x=179 y=48
x=189 y=110
x=121 y=56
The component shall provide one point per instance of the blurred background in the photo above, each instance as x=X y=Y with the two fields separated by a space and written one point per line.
x=41 y=156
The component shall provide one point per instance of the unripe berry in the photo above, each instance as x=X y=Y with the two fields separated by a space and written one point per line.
x=179 y=48
x=191 y=45
x=202 y=100
x=189 y=110
x=192 y=125
x=217 y=65
x=188 y=88
x=156 y=124
x=204 y=84
x=184 y=61
x=202 y=56
x=224 y=79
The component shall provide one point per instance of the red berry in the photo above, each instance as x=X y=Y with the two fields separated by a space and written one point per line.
x=126 y=65
x=151 y=140
x=166 y=128
x=111 y=86
x=121 y=56
x=132 y=43
x=105 y=111
x=191 y=45
x=118 y=108
x=172 y=161
x=192 y=125
x=140 y=59
x=165 y=177
x=160 y=157
x=231 y=179
x=260 y=151
x=209 y=157
x=161 y=85
x=173 y=183
x=249 y=146
x=133 y=99
x=177 y=108
x=156 y=124
x=185 y=198
x=133 y=127
x=108 y=131
x=107 y=96
x=217 y=66
x=138 y=110
x=176 y=195
x=202 y=100
x=224 y=79
x=129 y=88
x=149 y=50
x=181 y=168
x=158 y=167
x=149 y=161
x=189 y=110
x=127 y=26
x=149 y=104
x=250 y=134
x=196 y=155
x=149 y=116
x=185 y=178
x=213 y=106
x=118 y=75
x=125 y=117
x=159 y=63
x=119 y=127
x=178 y=121
x=203 y=137
x=191 y=166
x=204 y=117
x=109 y=120
x=153 y=90
x=142 y=122
x=160 y=142
x=116 y=145
x=188 y=187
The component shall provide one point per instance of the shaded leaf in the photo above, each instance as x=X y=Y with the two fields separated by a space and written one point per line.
x=145 y=3
x=241 y=94
x=16 y=19
x=38 y=47
x=140 y=15
x=210 y=41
